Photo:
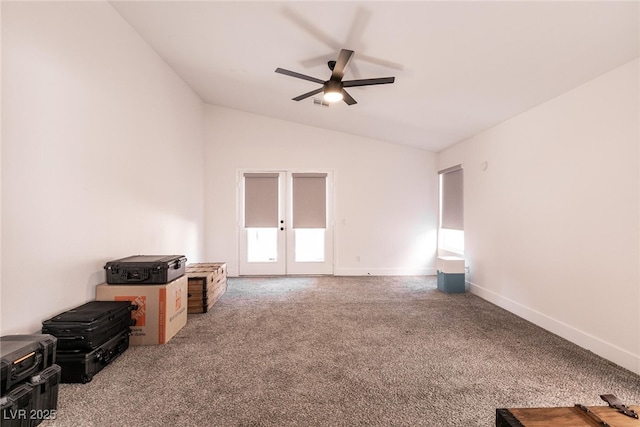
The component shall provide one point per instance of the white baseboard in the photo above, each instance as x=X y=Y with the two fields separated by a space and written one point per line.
x=376 y=272
x=384 y=272
x=602 y=348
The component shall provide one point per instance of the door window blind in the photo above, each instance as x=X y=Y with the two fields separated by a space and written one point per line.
x=309 y=200
x=452 y=208
x=260 y=200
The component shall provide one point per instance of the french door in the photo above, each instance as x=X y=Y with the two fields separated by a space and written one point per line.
x=285 y=222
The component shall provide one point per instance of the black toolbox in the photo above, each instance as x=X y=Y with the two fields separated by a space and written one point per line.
x=30 y=403
x=23 y=356
x=80 y=366
x=45 y=393
x=88 y=326
x=16 y=407
x=145 y=269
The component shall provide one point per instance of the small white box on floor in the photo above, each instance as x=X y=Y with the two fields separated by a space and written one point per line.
x=451 y=274
x=450 y=264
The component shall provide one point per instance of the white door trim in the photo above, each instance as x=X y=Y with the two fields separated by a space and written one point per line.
x=285 y=262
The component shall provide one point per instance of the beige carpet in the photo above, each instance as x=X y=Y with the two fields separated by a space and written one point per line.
x=343 y=351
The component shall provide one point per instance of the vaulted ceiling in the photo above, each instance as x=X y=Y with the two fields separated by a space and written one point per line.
x=460 y=67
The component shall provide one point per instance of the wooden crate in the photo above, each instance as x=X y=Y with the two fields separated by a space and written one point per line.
x=559 y=417
x=207 y=283
x=206 y=267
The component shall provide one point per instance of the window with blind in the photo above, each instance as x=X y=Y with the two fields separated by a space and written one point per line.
x=451 y=232
x=261 y=214
x=309 y=200
x=309 y=209
x=260 y=200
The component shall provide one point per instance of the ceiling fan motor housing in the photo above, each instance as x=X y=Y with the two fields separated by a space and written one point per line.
x=333 y=86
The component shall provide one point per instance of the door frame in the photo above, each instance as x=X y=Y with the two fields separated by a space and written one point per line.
x=246 y=268
x=285 y=264
x=311 y=268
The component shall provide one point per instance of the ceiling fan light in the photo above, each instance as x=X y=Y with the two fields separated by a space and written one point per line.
x=330 y=96
x=332 y=91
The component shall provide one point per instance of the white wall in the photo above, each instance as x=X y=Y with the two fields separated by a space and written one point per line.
x=552 y=225
x=1 y=133
x=101 y=156
x=385 y=194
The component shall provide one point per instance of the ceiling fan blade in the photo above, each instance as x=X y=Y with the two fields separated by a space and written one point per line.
x=378 y=61
x=348 y=98
x=368 y=82
x=323 y=59
x=298 y=75
x=310 y=28
x=341 y=64
x=308 y=94
x=358 y=25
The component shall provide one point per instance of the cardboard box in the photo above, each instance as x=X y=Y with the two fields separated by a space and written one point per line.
x=161 y=313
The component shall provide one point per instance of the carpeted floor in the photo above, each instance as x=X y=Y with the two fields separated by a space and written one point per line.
x=343 y=351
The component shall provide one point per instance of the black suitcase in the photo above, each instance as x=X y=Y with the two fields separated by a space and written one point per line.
x=23 y=356
x=80 y=366
x=16 y=407
x=145 y=269
x=88 y=326
x=45 y=393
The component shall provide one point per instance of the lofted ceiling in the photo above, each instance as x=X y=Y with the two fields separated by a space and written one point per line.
x=460 y=67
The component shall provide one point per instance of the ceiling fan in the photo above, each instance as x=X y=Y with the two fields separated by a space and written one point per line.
x=334 y=87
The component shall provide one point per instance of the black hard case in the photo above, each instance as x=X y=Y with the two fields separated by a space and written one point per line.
x=23 y=356
x=45 y=393
x=16 y=407
x=88 y=326
x=145 y=269
x=80 y=366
